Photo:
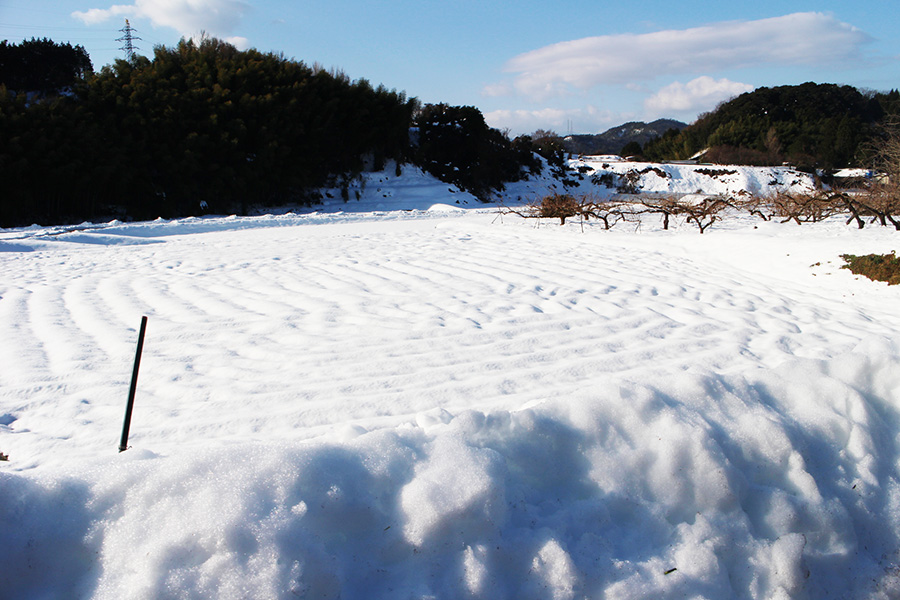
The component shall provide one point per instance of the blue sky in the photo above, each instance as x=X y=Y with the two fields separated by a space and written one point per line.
x=579 y=68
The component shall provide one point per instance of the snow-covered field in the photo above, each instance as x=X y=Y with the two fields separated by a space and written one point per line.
x=447 y=403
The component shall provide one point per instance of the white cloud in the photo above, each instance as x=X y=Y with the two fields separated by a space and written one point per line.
x=496 y=90
x=557 y=119
x=93 y=16
x=795 y=39
x=188 y=17
x=700 y=94
x=241 y=43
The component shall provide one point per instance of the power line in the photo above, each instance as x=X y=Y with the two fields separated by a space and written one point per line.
x=47 y=28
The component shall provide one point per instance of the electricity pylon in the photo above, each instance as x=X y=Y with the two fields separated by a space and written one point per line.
x=128 y=38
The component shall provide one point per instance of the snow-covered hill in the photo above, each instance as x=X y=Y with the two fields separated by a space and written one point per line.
x=673 y=178
x=602 y=177
x=424 y=400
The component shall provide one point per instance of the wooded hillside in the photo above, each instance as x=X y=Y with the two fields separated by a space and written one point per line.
x=198 y=127
x=811 y=125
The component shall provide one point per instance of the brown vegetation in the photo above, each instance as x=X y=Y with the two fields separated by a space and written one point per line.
x=701 y=211
x=806 y=208
x=877 y=267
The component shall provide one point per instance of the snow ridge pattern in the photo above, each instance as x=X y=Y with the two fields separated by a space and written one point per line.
x=448 y=403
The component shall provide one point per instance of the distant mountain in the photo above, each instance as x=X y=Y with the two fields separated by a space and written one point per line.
x=613 y=140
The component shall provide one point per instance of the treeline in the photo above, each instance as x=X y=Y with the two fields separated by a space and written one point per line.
x=204 y=127
x=813 y=126
x=200 y=126
x=42 y=66
x=454 y=144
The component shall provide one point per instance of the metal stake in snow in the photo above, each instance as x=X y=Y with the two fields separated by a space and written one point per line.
x=123 y=445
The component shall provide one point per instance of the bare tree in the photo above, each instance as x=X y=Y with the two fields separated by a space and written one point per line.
x=807 y=208
x=702 y=211
x=755 y=205
x=666 y=206
x=565 y=206
x=705 y=212
x=883 y=200
x=609 y=213
x=560 y=206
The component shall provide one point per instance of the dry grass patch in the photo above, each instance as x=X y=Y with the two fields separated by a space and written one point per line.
x=877 y=267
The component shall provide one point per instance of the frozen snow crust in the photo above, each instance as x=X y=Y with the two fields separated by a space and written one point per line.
x=443 y=403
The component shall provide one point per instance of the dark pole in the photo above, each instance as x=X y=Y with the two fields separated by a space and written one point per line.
x=123 y=445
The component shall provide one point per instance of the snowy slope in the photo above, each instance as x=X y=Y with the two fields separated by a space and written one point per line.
x=598 y=176
x=678 y=179
x=447 y=403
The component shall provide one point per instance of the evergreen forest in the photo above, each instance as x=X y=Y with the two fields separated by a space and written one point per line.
x=199 y=127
